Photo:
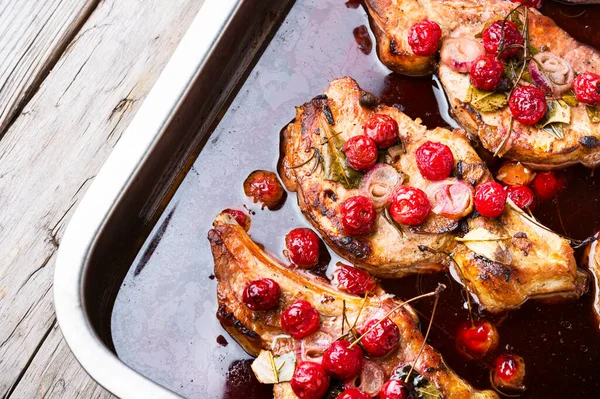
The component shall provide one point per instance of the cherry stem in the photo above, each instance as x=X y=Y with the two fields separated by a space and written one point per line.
x=437 y=297
x=437 y=291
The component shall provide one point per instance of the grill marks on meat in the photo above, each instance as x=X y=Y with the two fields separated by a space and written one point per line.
x=391 y=21
x=239 y=260
x=538 y=262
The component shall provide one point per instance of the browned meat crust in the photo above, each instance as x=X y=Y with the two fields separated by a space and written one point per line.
x=536 y=262
x=239 y=260
x=466 y=18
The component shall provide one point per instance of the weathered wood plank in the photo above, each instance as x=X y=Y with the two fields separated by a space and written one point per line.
x=55 y=374
x=33 y=35
x=52 y=151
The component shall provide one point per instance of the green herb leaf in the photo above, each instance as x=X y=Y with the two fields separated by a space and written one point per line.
x=569 y=98
x=335 y=167
x=557 y=115
x=424 y=389
x=486 y=101
x=592 y=113
x=487 y=244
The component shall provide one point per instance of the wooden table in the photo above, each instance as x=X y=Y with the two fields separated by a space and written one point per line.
x=72 y=75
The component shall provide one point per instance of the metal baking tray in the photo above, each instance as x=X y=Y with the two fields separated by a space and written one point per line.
x=134 y=291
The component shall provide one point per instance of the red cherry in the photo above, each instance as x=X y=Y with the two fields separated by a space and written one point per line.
x=424 y=38
x=490 y=198
x=395 y=389
x=409 y=205
x=240 y=217
x=528 y=105
x=383 y=129
x=361 y=152
x=587 y=88
x=358 y=216
x=530 y=3
x=509 y=372
x=477 y=339
x=353 y=393
x=300 y=319
x=502 y=38
x=547 y=184
x=382 y=339
x=434 y=160
x=353 y=280
x=486 y=73
x=303 y=247
x=522 y=196
x=309 y=381
x=261 y=294
x=264 y=186
x=341 y=361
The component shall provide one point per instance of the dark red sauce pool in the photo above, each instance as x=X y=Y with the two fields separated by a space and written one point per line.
x=164 y=322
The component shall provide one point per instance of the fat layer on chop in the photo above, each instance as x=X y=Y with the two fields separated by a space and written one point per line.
x=238 y=260
x=523 y=261
x=391 y=20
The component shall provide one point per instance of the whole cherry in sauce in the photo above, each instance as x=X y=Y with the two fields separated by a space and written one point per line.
x=240 y=217
x=396 y=389
x=490 y=198
x=383 y=129
x=264 y=187
x=310 y=381
x=382 y=339
x=300 y=319
x=353 y=280
x=475 y=340
x=587 y=88
x=486 y=72
x=409 y=205
x=303 y=247
x=434 y=160
x=353 y=393
x=424 y=38
x=262 y=294
x=522 y=196
x=361 y=152
x=503 y=39
x=509 y=372
x=357 y=215
x=342 y=361
x=547 y=184
x=528 y=105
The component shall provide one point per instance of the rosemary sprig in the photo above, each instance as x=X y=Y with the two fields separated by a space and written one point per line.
x=412 y=367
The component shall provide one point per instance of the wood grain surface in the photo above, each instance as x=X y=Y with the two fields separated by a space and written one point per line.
x=72 y=75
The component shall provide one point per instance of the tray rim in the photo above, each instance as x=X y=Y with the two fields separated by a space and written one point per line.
x=107 y=189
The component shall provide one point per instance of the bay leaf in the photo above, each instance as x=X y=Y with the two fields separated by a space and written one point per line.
x=424 y=388
x=487 y=244
x=592 y=114
x=570 y=99
x=335 y=166
x=557 y=115
x=486 y=101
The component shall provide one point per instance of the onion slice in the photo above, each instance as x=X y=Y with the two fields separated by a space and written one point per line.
x=371 y=379
x=459 y=53
x=312 y=348
x=378 y=184
x=451 y=198
x=551 y=73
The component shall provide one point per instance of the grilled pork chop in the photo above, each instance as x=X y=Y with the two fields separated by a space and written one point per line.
x=239 y=260
x=509 y=260
x=391 y=20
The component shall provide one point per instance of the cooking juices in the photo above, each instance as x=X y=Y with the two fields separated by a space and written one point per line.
x=164 y=322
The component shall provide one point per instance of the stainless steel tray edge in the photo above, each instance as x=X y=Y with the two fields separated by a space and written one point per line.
x=117 y=173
